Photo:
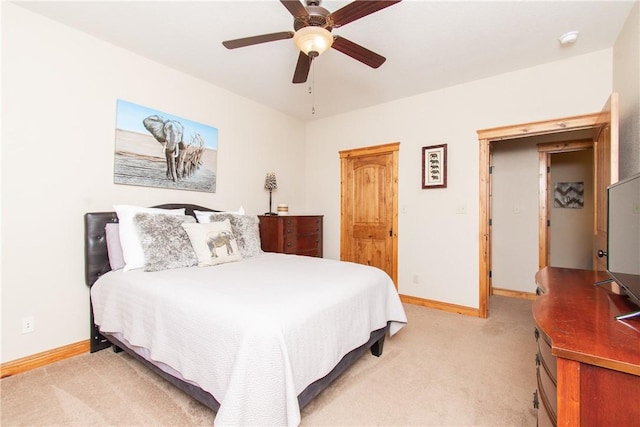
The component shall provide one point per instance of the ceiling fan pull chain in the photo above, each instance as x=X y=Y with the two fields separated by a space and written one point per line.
x=311 y=88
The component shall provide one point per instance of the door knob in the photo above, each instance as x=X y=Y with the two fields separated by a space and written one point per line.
x=601 y=253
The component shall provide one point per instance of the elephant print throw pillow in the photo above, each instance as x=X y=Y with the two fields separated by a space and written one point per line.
x=213 y=242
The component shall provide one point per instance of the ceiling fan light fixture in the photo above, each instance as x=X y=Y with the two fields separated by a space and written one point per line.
x=313 y=39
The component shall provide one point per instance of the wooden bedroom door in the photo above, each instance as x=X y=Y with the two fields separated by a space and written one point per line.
x=605 y=158
x=369 y=207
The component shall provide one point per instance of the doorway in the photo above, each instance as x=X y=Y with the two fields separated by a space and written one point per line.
x=571 y=207
x=516 y=198
x=604 y=126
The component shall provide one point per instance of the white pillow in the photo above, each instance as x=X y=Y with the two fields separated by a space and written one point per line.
x=131 y=247
x=213 y=242
x=203 y=216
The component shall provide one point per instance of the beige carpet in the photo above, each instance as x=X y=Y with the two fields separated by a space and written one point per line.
x=441 y=369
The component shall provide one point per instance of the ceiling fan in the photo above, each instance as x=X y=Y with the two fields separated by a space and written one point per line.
x=313 y=25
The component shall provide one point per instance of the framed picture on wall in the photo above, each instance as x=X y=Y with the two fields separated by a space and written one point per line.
x=434 y=166
x=569 y=195
x=157 y=149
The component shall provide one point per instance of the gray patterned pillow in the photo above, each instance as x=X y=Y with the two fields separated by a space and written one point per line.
x=164 y=242
x=246 y=228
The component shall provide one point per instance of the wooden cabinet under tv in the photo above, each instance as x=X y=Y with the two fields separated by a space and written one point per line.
x=588 y=362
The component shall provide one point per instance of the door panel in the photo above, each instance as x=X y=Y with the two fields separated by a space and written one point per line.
x=605 y=155
x=369 y=207
x=371 y=252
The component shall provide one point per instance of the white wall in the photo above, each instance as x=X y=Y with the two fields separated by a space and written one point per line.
x=59 y=92
x=435 y=243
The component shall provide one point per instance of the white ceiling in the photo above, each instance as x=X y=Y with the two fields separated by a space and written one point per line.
x=428 y=44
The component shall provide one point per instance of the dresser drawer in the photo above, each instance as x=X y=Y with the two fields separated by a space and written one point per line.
x=546 y=373
x=301 y=225
x=548 y=395
x=547 y=360
x=544 y=420
x=301 y=243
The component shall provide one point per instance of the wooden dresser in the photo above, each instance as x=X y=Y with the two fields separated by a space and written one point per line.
x=588 y=363
x=292 y=234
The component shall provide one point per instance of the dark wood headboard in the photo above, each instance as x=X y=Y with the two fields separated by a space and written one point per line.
x=96 y=259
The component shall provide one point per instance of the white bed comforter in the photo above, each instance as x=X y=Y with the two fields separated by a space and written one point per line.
x=253 y=333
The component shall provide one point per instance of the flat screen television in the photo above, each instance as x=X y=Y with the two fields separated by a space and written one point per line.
x=623 y=238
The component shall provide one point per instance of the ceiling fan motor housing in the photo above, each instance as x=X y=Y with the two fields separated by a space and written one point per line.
x=318 y=17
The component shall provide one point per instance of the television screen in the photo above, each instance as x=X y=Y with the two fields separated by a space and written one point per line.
x=623 y=246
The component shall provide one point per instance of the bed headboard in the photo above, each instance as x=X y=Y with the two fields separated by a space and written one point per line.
x=96 y=259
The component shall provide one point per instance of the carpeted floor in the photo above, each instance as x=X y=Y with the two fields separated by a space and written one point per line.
x=441 y=369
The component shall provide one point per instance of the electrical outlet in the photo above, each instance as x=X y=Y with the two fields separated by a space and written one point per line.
x=28 y=324
x=461 y=209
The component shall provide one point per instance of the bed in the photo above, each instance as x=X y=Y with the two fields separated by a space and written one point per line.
x=254 y=340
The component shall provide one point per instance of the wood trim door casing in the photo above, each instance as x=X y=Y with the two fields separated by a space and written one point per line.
x=513 y=132
x=393 y=149
x=485 y=234
x=545 y=127
x=544 y=247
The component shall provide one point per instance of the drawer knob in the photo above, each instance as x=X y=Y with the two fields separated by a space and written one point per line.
x=289 y=244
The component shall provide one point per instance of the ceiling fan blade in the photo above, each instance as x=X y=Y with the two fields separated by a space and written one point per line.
x=264 y=38
x=302 y=68
x=359 y=9
x=358 y=52
x=295 y=8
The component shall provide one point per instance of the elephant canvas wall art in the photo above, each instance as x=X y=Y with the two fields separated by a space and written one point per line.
x=156 y=149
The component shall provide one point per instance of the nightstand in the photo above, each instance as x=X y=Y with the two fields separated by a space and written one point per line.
x=292 y=234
